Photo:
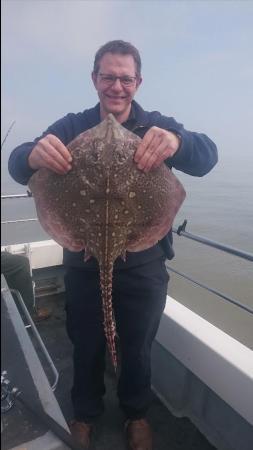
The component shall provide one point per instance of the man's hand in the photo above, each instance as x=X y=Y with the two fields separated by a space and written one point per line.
x=51 y=153
x=155 y=147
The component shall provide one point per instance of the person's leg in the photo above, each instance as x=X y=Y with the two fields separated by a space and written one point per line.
x=16 y=269
x=84 y=321
x=139 y=300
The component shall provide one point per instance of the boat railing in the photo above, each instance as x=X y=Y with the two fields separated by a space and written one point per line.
x=180 y=231
x=37 y=337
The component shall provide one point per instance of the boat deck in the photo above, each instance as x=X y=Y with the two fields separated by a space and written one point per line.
x=170 y=432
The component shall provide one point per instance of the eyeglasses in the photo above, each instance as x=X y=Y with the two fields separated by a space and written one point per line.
x=124 y=80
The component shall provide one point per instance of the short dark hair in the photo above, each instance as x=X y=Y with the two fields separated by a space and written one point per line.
x=120 y=47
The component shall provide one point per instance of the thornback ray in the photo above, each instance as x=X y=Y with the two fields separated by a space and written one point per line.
x=105 y=205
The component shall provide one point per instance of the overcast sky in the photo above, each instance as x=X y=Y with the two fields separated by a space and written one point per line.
x=197 y=64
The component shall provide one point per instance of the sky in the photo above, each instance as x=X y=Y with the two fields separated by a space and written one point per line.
x=197 y=66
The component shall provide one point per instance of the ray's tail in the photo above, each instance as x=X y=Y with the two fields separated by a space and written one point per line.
x=109 y=322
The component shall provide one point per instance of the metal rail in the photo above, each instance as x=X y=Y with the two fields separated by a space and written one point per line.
x=213 y=291
x=248 y=256
x=13 y=196
x=225 y=248
x=37 y=336
x=5 y=222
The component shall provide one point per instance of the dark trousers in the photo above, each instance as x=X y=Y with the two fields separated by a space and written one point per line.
x=16 y=269
x=139 y=296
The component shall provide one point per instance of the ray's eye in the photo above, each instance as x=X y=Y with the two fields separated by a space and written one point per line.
x=121 y=158
x=120 y=154
x=95 y=154
x=94 y=157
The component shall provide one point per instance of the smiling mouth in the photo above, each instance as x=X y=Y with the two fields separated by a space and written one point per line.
x=113 y=97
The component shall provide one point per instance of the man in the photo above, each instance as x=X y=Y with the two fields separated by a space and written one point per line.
x=140 y=283
x=16 y=270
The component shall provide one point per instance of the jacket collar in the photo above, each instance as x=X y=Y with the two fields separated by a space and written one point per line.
x=140 y=116
x=137 y=117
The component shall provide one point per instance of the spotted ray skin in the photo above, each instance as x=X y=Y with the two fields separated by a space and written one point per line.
x=106 y=205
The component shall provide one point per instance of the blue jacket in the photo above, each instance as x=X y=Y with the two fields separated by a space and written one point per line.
x=196 y=156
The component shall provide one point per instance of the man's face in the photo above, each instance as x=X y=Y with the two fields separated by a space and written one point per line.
x=116 y=97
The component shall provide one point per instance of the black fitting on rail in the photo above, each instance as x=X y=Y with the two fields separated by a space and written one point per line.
x=182 y=227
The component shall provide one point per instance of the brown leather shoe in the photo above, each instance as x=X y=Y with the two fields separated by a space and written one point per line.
x=41 y=314
x=81 y=432
x=139 y=434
